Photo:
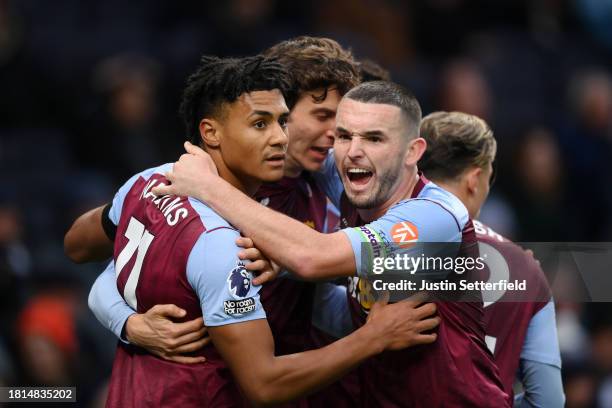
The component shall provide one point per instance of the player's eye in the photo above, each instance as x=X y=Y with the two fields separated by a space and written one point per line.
x=323 y=117
x=260 y=124
x=343 y=136
x=374 y=139
x=283 y=122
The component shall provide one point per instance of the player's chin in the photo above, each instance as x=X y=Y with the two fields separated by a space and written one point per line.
x=312 y=165
x=359 y=199
x=271 y=175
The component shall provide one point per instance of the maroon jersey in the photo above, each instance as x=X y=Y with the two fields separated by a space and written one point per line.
x=455 y=371
x=155 y=237
x=507 y=316
x=288 y=302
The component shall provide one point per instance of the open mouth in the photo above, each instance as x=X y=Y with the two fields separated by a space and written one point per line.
x=359 y=176
x=319 y=153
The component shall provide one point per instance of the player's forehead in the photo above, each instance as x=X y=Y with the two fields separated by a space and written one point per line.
x=271 y=101
x=320 y=99
x=359 y=117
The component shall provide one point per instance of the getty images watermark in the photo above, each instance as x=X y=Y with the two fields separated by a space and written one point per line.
x=490 y=271
x=410 y=265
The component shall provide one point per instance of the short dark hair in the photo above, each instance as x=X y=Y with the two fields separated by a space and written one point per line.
x=372 y=71
x=219 y=81
x=456 y=141
x=389 y=93
x=316 y=62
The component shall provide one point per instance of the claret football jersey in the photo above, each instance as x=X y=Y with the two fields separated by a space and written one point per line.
x=457 y=370
x=176 y=250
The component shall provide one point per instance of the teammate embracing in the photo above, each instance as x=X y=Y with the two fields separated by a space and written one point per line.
x=172 y=249
x=376 y=150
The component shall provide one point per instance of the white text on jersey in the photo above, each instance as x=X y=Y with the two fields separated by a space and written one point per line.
x=170 y=206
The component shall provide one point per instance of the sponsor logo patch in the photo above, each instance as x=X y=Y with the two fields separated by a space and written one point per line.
x=405 y=234
x=239 y=307
x=239 y=281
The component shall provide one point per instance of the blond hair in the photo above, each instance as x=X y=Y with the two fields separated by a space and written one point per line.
x=456 y=141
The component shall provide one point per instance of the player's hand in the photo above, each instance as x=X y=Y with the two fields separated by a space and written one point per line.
x=402 y=324
x=265 y=269
x=190 y=174
x=156 y=332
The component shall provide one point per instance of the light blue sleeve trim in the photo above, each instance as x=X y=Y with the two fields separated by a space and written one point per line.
x=107 y=304
x=541 y=342
x=543 y=386
x=115 y=210
x=329 y=180
x=330 y=311
x=216 y=274
x=434 y=223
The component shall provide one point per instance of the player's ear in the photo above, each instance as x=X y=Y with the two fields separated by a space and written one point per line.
x=472 y=179
x=416 y=149
x=210 y=132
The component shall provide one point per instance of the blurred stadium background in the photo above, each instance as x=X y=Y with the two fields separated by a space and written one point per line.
x=89 y=94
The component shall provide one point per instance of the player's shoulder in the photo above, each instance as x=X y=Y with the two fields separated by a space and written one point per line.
x=511 y=251
x=150 y=172
x=522 y=264
x=212 y=221
x=487 y=234
x=434 y=205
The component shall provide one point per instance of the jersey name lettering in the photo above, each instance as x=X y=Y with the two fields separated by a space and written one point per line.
x=170 y=206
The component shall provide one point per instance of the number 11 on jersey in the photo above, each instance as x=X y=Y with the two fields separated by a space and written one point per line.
x=139 y=240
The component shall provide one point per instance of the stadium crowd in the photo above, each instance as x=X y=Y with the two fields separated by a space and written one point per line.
x=89 y=96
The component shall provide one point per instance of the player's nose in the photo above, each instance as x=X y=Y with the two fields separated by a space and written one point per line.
x=279 y=137
x=355 y=149
x=330 y=136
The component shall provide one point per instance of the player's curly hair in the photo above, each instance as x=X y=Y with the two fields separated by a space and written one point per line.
x=317 y=63
x=219 y=81
x=456 y=141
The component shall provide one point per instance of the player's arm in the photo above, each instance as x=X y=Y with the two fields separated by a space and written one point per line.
x=154 y=330
x=292 y=244
x=248 y=348
x=107 y=304
x=238 y=328
x=540 y=365
x=88 y=239
x=91 y=237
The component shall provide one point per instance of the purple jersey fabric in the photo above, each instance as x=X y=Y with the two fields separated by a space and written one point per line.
x=455 y=371
x=140 y=379
x=288 y=302
x=507 y=319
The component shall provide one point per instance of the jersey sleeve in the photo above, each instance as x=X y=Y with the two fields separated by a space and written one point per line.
x=405 y=227
x=222 y=283
x=543 y=386
x=541 y=341
x=330 y=311
x=114 y=214
x=107 y=304
x=329 y=180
